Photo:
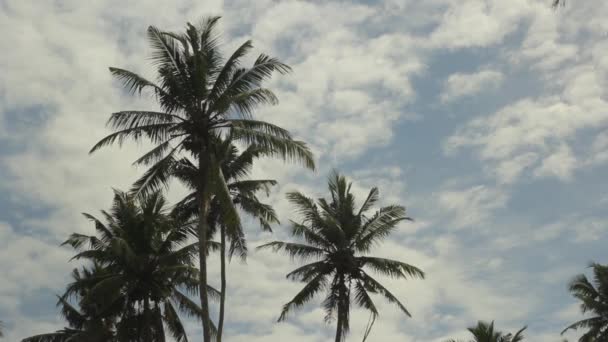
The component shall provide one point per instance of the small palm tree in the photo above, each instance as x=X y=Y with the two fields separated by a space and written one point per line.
x=148 y=264
x=338 y=236
x=235 y=166
x=594 y=301
x=201 y=96
x=485 y=332
x=91 y=321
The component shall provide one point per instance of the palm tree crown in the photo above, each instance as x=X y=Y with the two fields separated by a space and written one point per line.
x=235 y=166
x=485 y=332
x=202 y=96
x=338 y=236
x=148 y=263
x=91 y=319
x=594 y=301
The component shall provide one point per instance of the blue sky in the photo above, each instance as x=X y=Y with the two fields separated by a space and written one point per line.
x=485 y=118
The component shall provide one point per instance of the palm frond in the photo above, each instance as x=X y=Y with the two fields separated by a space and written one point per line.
x=286 y=149
x=60 y=336
x=308 y=292
x=71 y=314
x=101 y=228
x=155 y=178
x=391 y=268
x=246 y=102
x=76 y=241
x=133 y=82
x=294 y=250
x=363 y=299
x=305 y=207
x=372 y=198
x=174 y=324
x=261 y=127
x=374 y=286
x=519 y=335
x=310 y=271
x=156 y=133
x=135 y=118
x=380 y=225
x=311 y=236
x=166 y=53
x=262 y=211
x=224 y=77
x=186 y=305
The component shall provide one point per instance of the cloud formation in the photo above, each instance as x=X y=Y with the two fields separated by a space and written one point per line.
x=365 y=75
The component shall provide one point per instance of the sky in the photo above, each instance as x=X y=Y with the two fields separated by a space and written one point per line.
x=486 y=119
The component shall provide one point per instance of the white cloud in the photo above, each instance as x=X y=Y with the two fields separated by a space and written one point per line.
x=460 y=85
x=356 y=69
x=471 y=206
x=560 y=164
x=476 y=23
x=508 y=170
x=528 y=129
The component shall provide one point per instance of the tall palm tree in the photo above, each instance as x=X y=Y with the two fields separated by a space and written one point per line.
x=594 y=301
x=148 y=263
x=338 y=236
x=91 y=320
x=485 y=332
x=235 y=166
x=201 y=96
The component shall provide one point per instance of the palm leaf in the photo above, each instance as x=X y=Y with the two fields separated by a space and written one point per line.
x=391 y=268
x=174 y=324
x=156 y=133
x=375 y=287
x=286 y=149
x=294 y=250
x=307 y=293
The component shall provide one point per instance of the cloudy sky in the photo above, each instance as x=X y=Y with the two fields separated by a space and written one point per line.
x=485 y=118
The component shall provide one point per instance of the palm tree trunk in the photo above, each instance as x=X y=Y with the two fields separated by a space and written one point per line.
x=343 y=309
x=339 y=325
x=147 y=326
x=203 y=228
x=220 y=324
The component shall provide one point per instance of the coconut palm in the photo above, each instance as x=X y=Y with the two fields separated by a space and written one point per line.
x=90 y=319
x=338 y=236
x=485 y=332
x=235 y=166
x=594 y=302
x=201 y=96
x=149 y=267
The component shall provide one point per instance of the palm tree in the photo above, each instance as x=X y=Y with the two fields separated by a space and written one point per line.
x=148 y=265
x=1 y=327
x=235 y=167
x=594 y=301
x=337 y=236
x=92 y=320
x=484 y=332
x=201 y=96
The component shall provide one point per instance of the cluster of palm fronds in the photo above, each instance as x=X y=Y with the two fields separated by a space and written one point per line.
x=141 y=270
x=147 y=260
